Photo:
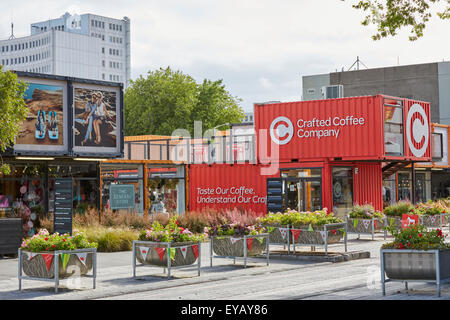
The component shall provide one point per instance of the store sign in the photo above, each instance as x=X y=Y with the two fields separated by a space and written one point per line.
x=121 y=196
x=63 y=210
x=409 y=220
x=282 y=129
x=233 y=195
x=417 y=130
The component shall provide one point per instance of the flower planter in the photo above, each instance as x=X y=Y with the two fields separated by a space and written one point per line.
x=326 y=235
x=394 y=221
x=366 y=226
x=41 y=265
x=240 y=247
x=156 y=254
x=415 y=265
x=433 y=221
x=278 y=234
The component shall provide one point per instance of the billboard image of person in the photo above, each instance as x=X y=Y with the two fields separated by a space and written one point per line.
x=95 y=118
x=44 y=123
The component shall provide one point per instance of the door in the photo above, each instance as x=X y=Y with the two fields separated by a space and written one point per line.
x=303 y=194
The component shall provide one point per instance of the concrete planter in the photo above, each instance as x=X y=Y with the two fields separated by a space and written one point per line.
x=37 y=268
x=415 y=265
x=234 y=247
x=80 y=262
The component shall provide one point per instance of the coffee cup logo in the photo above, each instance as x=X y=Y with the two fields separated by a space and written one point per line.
x=417 y=130
x=281 y=130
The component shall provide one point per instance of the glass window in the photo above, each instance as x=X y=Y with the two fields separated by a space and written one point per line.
x=393 y=129
x=389 y=191
x=342 y=190
x=404 y=186
x=302 y=173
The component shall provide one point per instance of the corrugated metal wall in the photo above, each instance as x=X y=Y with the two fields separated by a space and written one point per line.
x=367 y=186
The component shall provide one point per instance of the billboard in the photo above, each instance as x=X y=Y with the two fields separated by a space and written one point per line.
x=44 y=130
x=96 y=119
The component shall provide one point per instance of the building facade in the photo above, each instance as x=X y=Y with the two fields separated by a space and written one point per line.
x=426 y=82
x=83 y=46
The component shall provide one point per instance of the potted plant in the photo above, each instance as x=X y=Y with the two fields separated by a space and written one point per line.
x=365 y=220
x=432 y=213
x=169 y=246
x=395 y=212
x=54 y=256
x=416 y=254
x=236 y=240
x=316 y=228
x=278 y=226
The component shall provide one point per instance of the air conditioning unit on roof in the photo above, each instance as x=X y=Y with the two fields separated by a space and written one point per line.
x=333 y=92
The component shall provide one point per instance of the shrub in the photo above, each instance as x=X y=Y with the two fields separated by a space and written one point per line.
x=170 y=233
x=366 y=211
x=44 y=241
x=292 y=217
x=398 y=209
x=418 y=238
x=235 y=230
x=111 y=239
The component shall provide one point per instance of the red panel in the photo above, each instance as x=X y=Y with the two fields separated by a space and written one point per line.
x=417 y=127
x=348 y=127
x=368 y=185
x=224 y=186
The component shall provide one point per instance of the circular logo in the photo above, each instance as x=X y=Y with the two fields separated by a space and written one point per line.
x=281 y=130
x=417 y=130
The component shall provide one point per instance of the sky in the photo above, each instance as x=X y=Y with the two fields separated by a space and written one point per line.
x=259 y=48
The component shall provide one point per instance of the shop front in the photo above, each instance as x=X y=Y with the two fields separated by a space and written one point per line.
x=320 y=154
x=63 y=138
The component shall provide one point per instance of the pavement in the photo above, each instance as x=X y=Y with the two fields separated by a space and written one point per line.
x=284 y=278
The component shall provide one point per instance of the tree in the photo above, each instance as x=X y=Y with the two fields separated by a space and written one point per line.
x=13 y=111
x=391 y=15
x=167 y=100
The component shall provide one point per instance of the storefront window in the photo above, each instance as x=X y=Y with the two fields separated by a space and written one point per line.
x=389 y=190
x=404 y=187
x=302 y=173
x=393 y=129
x=342 y=190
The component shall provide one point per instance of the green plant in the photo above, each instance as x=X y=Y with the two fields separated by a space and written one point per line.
x=292 y=217
x=416 y=237
x=235 y=230
x=169 y=233
x=44 y=241
x=366 y=211
x=399 y=208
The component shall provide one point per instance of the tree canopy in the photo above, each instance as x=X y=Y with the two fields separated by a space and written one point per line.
x=13 y=110
x=389 y=16
x=167 y=100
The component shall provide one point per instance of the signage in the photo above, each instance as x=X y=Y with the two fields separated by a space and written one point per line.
x=122 y=196
x=63 y=206
x=417 y=130
x=409 y=220
x=233 y=195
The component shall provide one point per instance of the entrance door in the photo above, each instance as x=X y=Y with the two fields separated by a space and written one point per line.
x=303 y=194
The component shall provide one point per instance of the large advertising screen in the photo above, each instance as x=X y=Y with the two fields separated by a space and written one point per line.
x=44 y=130
x=96 y=119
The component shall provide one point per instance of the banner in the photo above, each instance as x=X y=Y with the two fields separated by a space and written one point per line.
x=48 y=260
x=324 y=235
x=296 y=233
x=234 y=240
x=283 y=232
x=183 y=251
x=195 y=250
x=82 y=257
x=160 y=252
x=249 y=244
x=65 y=259
x=144 y=252
x=366 y=223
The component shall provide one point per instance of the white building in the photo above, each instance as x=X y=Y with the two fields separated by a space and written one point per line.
x=82 y=46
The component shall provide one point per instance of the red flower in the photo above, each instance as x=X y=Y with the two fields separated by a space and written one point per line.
x=53 y=246
x=64 y=240
x=420 y=235
x=410 y=236
x=46 y=248
x=401 y=246
x=409 y=244
x=176 y=221
x=46 y=239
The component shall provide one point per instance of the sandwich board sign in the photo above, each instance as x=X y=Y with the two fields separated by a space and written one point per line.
x=63 y=207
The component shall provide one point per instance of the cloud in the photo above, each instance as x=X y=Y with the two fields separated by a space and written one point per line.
x=261 y=49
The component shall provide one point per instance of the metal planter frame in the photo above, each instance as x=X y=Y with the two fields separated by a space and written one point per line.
x=288 y=236
x=168 y=246
x=245 y=257
x=326 y=229
x=56 y=269
x=372 y=230
x=439 y=281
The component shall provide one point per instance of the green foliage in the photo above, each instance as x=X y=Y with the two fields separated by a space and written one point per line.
x=235 y=230
x=43 y=241
x=13 y=110
x=169 y=233
x=292 y=217
x=399 y=208
x=366 y=211
x=416 y=237
x=389 y=16
x=167 y=100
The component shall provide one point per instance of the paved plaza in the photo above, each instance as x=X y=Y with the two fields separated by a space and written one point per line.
x=287 y=279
